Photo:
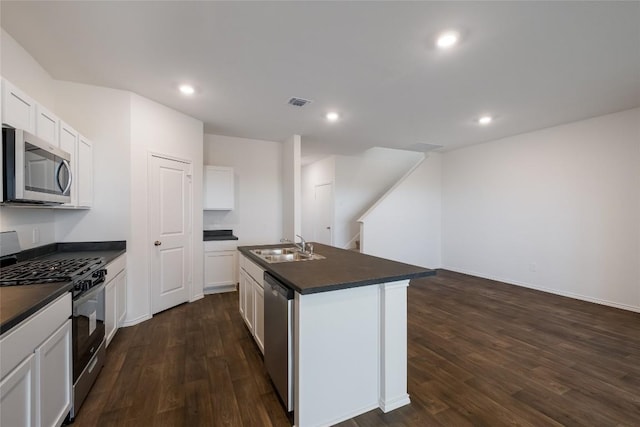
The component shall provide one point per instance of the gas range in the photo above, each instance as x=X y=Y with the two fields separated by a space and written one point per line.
x=84 y=272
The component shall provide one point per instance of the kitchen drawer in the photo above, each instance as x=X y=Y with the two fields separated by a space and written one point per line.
x=254 y=271
x=220 y=245
x=116 y=266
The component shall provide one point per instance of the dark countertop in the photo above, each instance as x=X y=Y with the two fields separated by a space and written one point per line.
x=341 y=269
x=108 y=250
x=208 y=235
x=19 y=302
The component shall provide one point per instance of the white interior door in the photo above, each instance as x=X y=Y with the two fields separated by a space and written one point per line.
x=323 y=224
x=170 y=222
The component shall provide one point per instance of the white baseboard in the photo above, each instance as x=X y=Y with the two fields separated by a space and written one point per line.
x=196 y=297
x=131 y=322
x=548 y=290
x=394 y=403
x=349 y=416
x=220 y=289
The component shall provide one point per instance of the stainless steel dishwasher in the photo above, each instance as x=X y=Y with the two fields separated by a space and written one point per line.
x=278 y=337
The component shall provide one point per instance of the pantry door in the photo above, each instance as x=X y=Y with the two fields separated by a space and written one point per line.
x=170 y=225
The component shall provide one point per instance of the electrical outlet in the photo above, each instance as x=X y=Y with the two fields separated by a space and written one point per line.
x=35 y=238
x=533 y=267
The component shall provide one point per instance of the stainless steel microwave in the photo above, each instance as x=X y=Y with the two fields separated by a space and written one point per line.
x=33 y=171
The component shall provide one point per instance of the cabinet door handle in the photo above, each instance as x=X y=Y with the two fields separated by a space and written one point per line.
x=157 y=243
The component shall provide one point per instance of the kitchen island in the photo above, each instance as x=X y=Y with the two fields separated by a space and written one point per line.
x=349 y=332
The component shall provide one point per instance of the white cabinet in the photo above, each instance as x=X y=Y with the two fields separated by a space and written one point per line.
x=84 y=172
x=218 y=188
x=21 y=112
x=251 y=300
x=36 y=368
x=54 y=378
x=115 y=300
x=121 y=297
x=69 y=143
x=258 y=307
x=220 y=261
x=18 y=109
x=81 y=151
x=17 y=395
x=110 y=311
x=47 y=125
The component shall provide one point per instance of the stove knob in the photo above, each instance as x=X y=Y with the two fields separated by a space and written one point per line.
x=77 y=286
x=86 y=285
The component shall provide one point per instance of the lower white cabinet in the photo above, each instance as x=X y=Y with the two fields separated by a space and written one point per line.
x=251 y=299
x=36 y=368
x=18 y=396
x=115 y=297
x=258 y=325
x=54 y=378
x=220 y=261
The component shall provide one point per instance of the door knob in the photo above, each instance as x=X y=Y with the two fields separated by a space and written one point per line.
x=328 y=228
x=157 y=243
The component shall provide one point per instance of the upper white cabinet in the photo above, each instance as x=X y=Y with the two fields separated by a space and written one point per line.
x=18 y=109
x=81 y=150
x=22 y=112
x=47 y=125
x=218 y=188
x=69 y=143
x=84 y=172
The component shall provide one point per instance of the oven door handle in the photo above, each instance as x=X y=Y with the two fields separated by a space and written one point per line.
x=87 y=295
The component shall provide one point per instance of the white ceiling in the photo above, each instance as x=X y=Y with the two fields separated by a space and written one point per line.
x=531 y=64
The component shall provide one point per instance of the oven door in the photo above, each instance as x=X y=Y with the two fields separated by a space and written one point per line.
x=87 y=326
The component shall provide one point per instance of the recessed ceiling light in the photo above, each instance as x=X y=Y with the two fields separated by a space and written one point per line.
x=332 y=116
x=447 y=39
x=187 y=89
x=485 y=120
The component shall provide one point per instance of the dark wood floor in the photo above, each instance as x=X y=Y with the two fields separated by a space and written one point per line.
x=480 y=353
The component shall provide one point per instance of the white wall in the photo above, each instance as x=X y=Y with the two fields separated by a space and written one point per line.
x=291 y=188
x=158 y=129
x=21 y=69
x=257 y=217
x=557 y=209
x=18 y=67
x=405 y=225
x=104 y=116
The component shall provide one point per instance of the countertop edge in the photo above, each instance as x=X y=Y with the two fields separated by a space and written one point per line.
x=8 y=325
x=246 y=250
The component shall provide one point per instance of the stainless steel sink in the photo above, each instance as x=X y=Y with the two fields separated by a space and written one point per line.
x=275 y=251
x=285 y=255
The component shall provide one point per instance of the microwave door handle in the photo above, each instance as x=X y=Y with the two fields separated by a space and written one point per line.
x=66 y=165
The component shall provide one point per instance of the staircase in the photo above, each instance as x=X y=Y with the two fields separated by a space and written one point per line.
x=405 y=223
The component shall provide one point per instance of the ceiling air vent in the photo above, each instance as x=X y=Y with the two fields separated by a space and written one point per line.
x=423 y=148
x=298 y=102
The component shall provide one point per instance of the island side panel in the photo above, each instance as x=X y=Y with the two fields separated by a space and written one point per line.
x=393 y=345
x=337 y=350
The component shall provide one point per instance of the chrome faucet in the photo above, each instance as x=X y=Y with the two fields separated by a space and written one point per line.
x=303 y=243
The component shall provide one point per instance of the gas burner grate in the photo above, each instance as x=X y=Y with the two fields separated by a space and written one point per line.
x=46 y=271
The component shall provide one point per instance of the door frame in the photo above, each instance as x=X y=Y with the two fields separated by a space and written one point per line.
x=333 y=210
x=150 y=250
